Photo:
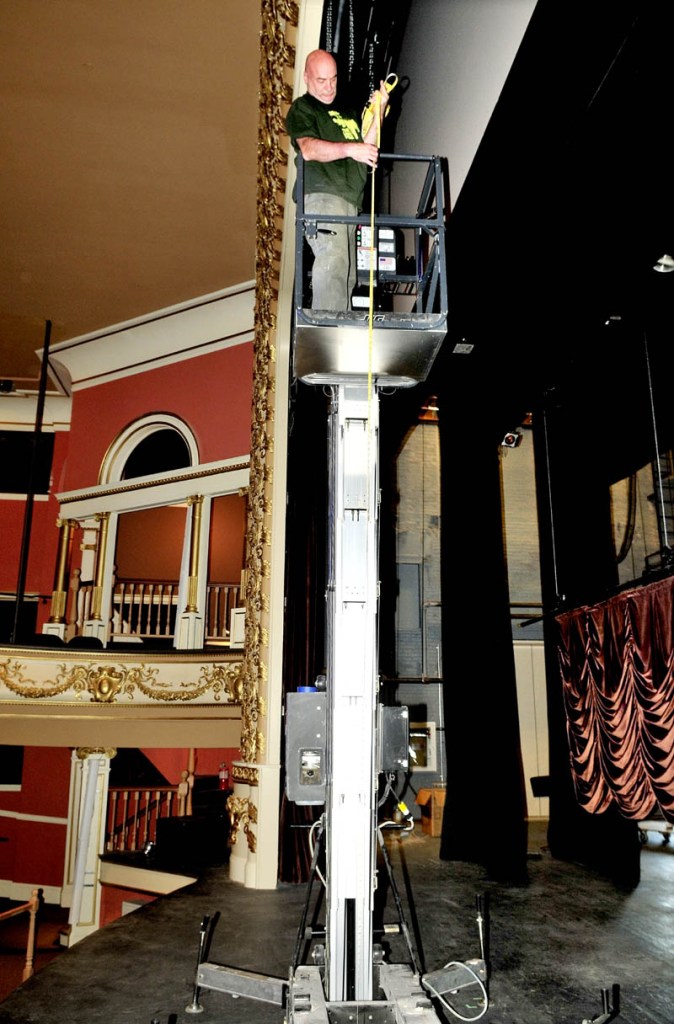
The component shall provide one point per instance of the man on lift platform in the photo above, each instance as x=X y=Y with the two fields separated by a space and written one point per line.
x=337 y=159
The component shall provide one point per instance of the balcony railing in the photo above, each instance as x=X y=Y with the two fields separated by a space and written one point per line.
x=31 y=908
x=148 y=609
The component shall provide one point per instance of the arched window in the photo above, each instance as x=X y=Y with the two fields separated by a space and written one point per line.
x=154 y=444
x=158 y=452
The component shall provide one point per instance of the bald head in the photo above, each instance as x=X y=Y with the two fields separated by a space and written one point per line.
x=320 y=76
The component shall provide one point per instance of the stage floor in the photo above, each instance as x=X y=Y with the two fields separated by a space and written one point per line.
x=554 y=944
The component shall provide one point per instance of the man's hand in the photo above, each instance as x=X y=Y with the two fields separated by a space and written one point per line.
x=373 y=115
x=383 y=94
x=363 y=152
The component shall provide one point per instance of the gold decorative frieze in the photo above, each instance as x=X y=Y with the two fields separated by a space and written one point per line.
x=117 y=683
x=246 y=773
x=126 y=488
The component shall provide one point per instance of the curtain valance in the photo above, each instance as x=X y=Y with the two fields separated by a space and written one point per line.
x=617 y=667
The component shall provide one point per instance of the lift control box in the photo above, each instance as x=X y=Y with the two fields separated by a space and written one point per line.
x=305 y=747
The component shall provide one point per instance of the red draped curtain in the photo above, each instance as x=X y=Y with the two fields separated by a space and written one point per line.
x=617 y=667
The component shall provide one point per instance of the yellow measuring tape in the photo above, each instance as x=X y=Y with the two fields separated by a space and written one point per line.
x=372 y=112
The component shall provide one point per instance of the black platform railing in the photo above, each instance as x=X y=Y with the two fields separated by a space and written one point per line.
x=420 y=276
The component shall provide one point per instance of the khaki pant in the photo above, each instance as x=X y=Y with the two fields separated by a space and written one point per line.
x=334 y=271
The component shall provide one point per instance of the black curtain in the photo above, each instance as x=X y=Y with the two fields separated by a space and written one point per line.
x=485 y=808
x=577 y=566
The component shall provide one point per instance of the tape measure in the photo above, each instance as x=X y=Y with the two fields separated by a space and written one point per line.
x=372 y=109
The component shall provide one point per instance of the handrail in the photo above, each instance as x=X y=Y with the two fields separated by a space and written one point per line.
x=132 y=821
x=31 y=907
x=146 y=609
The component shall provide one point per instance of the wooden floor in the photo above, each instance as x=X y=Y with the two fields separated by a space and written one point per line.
x=554 y=944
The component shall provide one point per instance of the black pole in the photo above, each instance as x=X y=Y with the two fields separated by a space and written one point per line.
x=30 y=496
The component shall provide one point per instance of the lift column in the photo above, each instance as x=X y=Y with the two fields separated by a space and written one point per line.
x=353 y=591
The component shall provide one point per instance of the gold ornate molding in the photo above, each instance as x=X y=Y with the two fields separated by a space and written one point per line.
x=245 y=773
x=276 y=57
x=242 y=814
x=105 y=684
x=82 y=753
x=145 y=485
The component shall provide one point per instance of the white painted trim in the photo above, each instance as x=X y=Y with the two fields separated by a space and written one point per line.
x=210 y=479
x=120 y=450
x=22 y=497
x=21 y=892
x=167 y=336
x=43 y=819
x=17 y=412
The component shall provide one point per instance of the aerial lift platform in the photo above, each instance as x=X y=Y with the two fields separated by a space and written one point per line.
x=340 y=740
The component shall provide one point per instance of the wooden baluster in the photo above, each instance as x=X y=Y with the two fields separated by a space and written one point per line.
x=230 y=605
x=191 y=763
x=158 y=802
x=134 y=826
x=123 y=835
x=146 y=605
x=217 y=612
x=73 y=627
x=151 y=627
x=119 y=594
x=146 y=818
x=166 y=589
x=128 y=604
x=112 y=821
x=183 y=790
x=34 y=902
x=169 y=608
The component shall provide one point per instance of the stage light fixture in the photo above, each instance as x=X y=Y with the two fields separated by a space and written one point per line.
x=512 y=439
x=665 y=265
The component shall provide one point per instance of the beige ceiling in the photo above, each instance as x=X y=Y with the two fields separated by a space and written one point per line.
x=128 y=139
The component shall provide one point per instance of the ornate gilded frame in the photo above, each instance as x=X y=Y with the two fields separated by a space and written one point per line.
x=277 y=56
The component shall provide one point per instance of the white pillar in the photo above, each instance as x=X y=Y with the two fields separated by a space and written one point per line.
x=191 y=624
x=87 y=812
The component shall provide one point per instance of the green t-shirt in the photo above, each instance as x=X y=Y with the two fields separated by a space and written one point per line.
x=309 y=118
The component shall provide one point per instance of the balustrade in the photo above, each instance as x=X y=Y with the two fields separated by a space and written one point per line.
x=133 y=812
x=31 y=908
x=148 y=609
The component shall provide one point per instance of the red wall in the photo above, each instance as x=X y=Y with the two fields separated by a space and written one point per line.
x=112 y=897
x=34 y=853
x=171 y=763
x=211 y=393
x=150 y=544
x=227 y=539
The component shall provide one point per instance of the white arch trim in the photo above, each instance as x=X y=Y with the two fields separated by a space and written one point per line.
x=121 y=448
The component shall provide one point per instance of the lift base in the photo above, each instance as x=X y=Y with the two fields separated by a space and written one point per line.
x=405 y=1001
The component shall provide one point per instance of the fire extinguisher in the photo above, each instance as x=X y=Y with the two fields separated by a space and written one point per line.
x=223 y=776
